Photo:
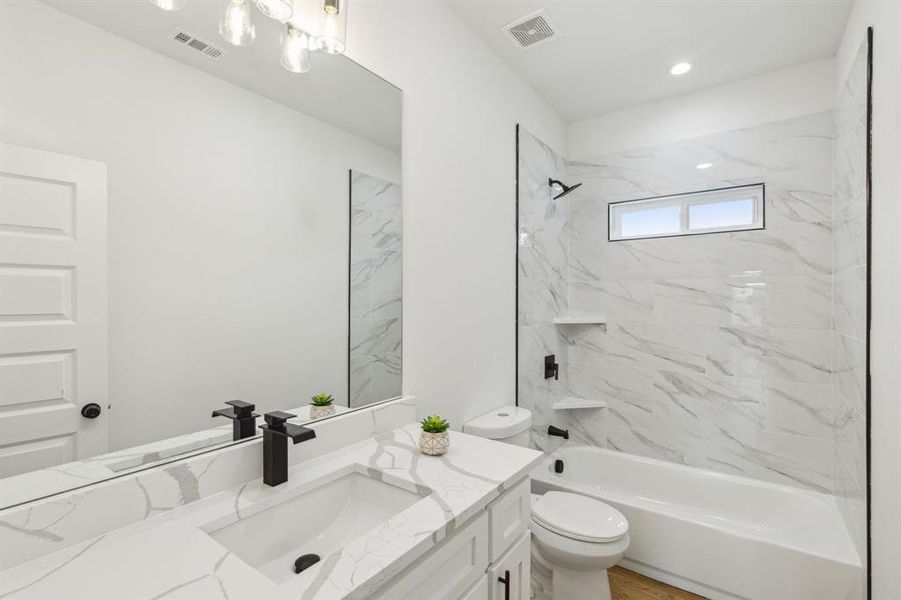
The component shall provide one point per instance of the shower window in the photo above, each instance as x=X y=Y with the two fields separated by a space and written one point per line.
x=713 y=211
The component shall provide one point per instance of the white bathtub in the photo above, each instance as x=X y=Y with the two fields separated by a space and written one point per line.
x=721 y=536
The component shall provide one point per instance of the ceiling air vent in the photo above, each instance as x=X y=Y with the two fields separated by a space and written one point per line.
x=201 y=45
x=531 y=30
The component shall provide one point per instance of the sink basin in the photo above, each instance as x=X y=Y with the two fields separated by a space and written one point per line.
x=271 y=535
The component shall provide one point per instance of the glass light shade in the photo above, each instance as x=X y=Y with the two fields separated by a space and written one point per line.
x=280 y=10
x=333 y=28
x=296 y=50
x=171 y=5
x=236 y=23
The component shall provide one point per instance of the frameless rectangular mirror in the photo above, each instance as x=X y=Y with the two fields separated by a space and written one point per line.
x=184 y=223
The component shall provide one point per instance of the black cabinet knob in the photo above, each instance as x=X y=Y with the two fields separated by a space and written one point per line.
x=91 y=410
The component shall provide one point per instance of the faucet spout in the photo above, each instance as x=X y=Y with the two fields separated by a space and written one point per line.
x=276 y=433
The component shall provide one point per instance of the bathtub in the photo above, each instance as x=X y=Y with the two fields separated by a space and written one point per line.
x=720 y=536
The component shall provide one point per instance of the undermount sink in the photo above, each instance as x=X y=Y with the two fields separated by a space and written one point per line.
x=270 y=535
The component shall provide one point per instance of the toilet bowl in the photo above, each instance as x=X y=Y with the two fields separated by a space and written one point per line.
x=576 y=537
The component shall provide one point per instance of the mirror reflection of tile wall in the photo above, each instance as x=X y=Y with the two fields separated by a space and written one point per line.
x=375 y=289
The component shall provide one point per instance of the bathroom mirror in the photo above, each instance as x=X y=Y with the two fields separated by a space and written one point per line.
x=184 y=222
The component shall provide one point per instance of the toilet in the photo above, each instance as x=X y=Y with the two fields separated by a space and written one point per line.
x=576 y=537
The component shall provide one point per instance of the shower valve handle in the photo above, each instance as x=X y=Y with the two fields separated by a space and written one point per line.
x=551 y=368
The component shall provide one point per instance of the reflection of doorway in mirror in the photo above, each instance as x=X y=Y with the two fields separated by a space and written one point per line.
x=376 y=261
x=53 y=309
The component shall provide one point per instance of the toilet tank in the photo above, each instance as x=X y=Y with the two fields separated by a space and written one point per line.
x=505 y=424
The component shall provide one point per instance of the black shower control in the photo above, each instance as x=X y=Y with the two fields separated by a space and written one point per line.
x=551 y=368
x=558 y=466
x=556 y=431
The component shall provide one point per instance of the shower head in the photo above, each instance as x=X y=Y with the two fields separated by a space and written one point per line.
x=559 y=184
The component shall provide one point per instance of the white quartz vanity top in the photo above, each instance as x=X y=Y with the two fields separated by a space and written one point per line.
x=172 y=557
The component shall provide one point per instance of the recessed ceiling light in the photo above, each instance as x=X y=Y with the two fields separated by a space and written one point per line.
x=680 y=68
x=703 y=166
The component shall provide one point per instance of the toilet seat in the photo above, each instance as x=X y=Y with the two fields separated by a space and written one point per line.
x=579 y=518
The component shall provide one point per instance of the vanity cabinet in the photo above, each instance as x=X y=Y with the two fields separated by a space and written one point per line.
x=508 y=577
x=470 y=562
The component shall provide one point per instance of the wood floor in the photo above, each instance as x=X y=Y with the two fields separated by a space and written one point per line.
x=626 y=585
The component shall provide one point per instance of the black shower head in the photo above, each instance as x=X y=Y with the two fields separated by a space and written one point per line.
x=566 y=188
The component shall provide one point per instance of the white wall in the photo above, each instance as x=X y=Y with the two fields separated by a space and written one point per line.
x=228 y=221
x=792 y=92
x=885 y=331
x=461 y=104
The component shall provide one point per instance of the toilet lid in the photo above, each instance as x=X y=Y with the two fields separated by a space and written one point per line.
x=579 y=517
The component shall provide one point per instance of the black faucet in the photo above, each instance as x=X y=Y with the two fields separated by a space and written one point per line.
x=276 y=433
x=564 y=433
x=244 y=420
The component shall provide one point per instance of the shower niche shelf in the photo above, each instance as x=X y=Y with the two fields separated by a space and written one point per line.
x=571 y=403
x=595 y=320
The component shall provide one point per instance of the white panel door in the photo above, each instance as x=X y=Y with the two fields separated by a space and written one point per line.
x=53 y=308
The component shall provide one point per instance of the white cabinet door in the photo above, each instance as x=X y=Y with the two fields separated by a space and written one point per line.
x=448 y=571
x=479 y=591
x=510 y=516
x=53 y=308
x=508 y=577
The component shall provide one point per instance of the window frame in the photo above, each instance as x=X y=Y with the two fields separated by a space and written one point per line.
x=684 y=204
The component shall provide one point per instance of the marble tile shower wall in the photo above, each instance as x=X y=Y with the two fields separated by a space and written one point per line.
x=375 y=289
x=716 y=352
x=849 y=255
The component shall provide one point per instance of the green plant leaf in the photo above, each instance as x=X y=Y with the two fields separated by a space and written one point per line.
x=434 y=424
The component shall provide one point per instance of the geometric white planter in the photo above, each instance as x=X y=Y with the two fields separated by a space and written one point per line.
x=433 y=444
x=317 y=412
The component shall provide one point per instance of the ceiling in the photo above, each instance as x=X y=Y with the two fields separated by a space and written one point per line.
x=617 y=53
x=331 y=91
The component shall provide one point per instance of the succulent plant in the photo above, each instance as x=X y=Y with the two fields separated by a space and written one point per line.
x=434 y=424
x=322 y=400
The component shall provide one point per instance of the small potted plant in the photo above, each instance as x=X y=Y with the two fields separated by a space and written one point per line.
x=434 y=439
x=321 y=406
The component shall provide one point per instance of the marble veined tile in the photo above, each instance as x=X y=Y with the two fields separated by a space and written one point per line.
x=738 y=300
x=849 y=302
x=799 y=409
x=541 y=300
x=800 y=355
x=673 y=440
x=628 y=300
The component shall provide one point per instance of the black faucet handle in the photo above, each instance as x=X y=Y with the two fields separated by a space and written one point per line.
x=242 y=408
x=238 y=409
x=277 y=419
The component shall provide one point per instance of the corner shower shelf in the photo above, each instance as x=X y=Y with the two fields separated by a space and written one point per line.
x=580 y=320
x=570 y=403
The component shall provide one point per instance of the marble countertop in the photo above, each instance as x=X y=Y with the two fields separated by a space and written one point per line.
x=171 y=556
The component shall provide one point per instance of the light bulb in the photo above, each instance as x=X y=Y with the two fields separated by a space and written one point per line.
x=333 y=28
x=170 y=5
x=703 y=165
x=680 y=68
x=295 y=50
x=236 y=24
x=280 y=10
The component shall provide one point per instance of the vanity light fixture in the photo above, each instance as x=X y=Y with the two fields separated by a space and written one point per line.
x=169 y=5
x=309 y=25
x=333 y=29
x=680 y=68
x=236 y=23
x=703 y=165
x=295 y=50
x=280 y=10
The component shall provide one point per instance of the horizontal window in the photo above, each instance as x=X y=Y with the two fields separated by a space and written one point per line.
x=729 y=209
